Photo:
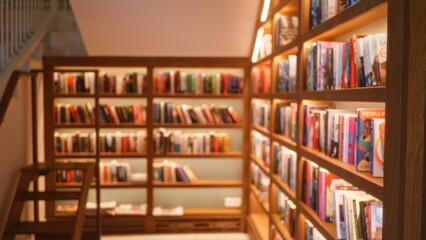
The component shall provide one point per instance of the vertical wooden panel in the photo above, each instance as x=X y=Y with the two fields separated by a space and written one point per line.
x=414 y=155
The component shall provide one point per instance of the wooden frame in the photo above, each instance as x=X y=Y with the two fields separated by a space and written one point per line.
x=150 y=223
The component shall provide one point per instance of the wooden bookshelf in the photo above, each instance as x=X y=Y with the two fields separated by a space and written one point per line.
x=209 y=219
x=344 y=23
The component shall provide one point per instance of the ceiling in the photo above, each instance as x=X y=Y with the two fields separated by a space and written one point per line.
x=206 y=28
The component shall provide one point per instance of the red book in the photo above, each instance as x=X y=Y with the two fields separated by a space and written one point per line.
x=351 y=140
x=234 y=115
x=74 y=114
x=124 y=144
x=353 y=61
x=113 y=113
x=316 y=125
x=225 y=77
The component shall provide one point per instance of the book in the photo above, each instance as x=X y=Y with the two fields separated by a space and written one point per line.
x=287 y=30
x=377 y=147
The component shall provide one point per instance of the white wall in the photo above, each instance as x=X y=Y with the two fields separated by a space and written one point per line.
x=15 y=146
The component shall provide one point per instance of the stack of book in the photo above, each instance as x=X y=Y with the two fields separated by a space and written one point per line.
x=355 y=213
x=75 y=142
x=166 y=112
x=69 y=176
x=260 y=147
x=354 y=137
x=339 y=65
x=262 y=114
x=122 y=114
x=181 y=82
x=287 y=212
x=260 y=180
x=261 y=79
x=114 y=171
x=287 y=30
x=178 y=142
x=286 y=75
x=122 y=83
x=74 y=83
x=321 y=10
x=69 y=113
x=285 y=165
x=118 y=142
x=169 y=171
x=286 y=120
x=312 y=233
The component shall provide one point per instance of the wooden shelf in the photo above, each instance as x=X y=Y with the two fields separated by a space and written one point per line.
x=367 y=94
x=122 y=155
x=206 y=213
x=263 y=96
x=122 y=125
x=290 y=48
x=261 y=130
x=260 y=224
x=362 y=180
x=263 y=61
x=285 y=141
x=263 y=204
x=328 y=230
x=285 y=95
x=75 y=155
x=284 y=187
x=200 y=183
x=74 y=125
x=105 y=185
x=202 y=95
x=75 y=95
x=124 y=95
x=259 y=162
x=283 y=230
x=197 y=125
x=356 y=16
x=201 y=155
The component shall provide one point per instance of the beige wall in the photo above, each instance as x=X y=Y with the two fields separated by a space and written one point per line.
x=15 y=146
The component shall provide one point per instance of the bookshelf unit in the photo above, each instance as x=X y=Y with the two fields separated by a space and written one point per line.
x=366 y=16
x=206 y=211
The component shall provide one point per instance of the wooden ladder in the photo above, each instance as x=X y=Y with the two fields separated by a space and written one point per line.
x=69 y=228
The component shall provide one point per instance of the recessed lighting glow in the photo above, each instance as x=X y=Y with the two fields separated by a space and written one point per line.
x=265 y=10
x=257 y=45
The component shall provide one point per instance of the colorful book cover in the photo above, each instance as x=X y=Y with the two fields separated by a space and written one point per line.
x=377 y=147
x=364 y=136
x=288 y=29
x=309 y=69
x=381 y=42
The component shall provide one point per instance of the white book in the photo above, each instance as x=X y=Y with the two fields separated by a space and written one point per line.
x=118 y=136
x=119 y=82
x=140 y=81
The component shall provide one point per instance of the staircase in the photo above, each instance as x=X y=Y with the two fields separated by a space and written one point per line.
x=66 y=228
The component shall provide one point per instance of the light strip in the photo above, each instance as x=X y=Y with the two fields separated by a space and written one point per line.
x=257 y=45
x=265 y=10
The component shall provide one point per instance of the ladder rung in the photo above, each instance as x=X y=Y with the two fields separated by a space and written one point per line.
x=49 y=196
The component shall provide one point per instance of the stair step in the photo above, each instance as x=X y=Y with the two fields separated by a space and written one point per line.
x=55 y=227
x=48 y=167
x=49 y=196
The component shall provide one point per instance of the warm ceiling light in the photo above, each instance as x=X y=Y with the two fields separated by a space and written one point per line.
x=265 y=10
x=257 y=45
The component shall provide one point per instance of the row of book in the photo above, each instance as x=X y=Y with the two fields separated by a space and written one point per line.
x=169 y=171
x=285 y=165
x=135 y=113
x=181 y=82
x=265 y=48
x=286 y=209
x=287 y=30
x=77 y=142
x=286 y=75
x=179 y=142
x=260 y=180
x=322 y=10
x=355 y=137
x=123 y=83
x=73 y=83
x=356 y=214
x=108 y=208
x=114 y=171
x=69 y=113
x=261 y=79
x=121 y=142
x=286 y=120
x=312 y=233
x=166 y=112
x=261 y=146
x=262 y=113
x=361 y=62
x=69 y=176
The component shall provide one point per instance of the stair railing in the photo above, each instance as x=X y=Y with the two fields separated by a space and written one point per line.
x=23 y=24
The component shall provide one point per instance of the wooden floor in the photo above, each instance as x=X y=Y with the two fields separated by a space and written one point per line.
x=197 y=236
